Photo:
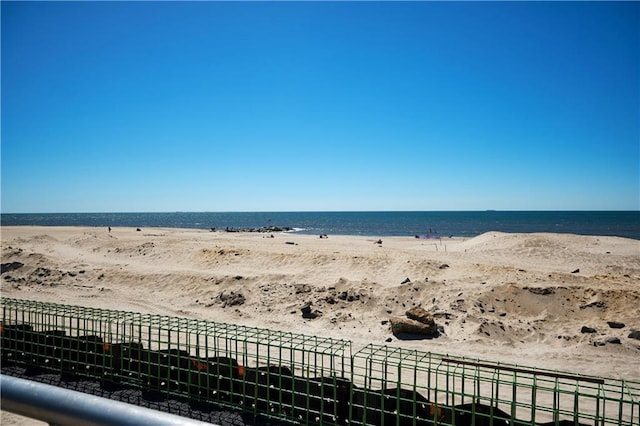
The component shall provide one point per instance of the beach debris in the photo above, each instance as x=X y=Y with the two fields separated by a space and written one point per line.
x=420 y=314
x=308 y=313
x=540 y=291
x=417 y=322
x=378 y=242
x=615 y=324
x=302 y=288
x=291 y=243
x=231 y=299
x=599 y=343
x=597 y=304
x=6 y=267
x=443 y=266
x=401 y=326
x=587 y=329
x=406 y=281
x=350 y=295
x=576 y=271
x=42 y=272
x=635 y=334
x=138 y=230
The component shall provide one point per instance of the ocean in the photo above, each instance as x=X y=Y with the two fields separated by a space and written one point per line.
x=377 y=224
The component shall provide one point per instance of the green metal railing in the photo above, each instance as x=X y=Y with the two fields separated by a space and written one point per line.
x=300 y=378
x=457 y=388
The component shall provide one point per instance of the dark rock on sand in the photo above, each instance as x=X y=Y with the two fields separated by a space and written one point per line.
x=611 y=340
x=540 y=291
x=6 y=267
x=635 y=334
x=418 y=322
x=597 y=304
x=302 y=288
x=615 y=324
x=231 y=299
x=308 y=313
x=586 y=329
x=408 y=326
x=350 y=295
x=330 y=300
x=419 y=314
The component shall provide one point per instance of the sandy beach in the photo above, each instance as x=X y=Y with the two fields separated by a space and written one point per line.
x=519 y=298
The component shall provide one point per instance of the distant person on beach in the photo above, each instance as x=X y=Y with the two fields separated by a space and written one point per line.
x=109 y=229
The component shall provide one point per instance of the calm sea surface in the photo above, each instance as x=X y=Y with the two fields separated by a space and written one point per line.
x=459 y=224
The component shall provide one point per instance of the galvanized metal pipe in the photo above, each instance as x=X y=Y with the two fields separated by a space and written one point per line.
x=64 y=407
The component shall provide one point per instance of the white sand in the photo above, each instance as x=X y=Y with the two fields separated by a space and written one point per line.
x=490 y=299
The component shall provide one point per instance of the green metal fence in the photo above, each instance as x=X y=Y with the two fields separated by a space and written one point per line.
x=300 y=378
x=452 y=390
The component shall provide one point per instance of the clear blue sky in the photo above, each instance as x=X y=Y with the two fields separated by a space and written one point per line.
x=208 y=106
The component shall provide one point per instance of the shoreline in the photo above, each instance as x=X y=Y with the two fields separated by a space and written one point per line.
x=286 y=230
x=381 y=223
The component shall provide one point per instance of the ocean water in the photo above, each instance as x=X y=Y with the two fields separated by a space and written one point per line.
x=378 y=224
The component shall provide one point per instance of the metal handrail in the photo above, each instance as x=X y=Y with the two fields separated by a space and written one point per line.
x=64 y=407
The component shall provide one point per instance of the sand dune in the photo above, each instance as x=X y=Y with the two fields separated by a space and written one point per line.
x=502 y=297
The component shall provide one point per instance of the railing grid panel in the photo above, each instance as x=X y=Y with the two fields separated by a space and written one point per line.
x=300 y=378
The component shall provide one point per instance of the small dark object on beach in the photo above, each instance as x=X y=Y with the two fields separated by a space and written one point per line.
x=540 y=291
x=6 y=267
x=576 y=271
x=138 y=229
x=634 y=335
x=615 y=324
x=598 y=304
x=307 y=313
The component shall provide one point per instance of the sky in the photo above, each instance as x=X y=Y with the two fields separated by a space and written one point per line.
x=312 y=106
